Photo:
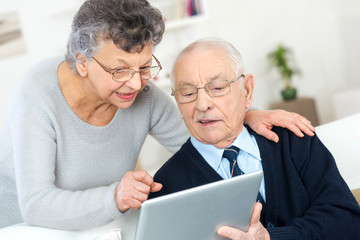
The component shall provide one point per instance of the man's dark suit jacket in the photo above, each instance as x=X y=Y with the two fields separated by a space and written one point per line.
x=306 y=198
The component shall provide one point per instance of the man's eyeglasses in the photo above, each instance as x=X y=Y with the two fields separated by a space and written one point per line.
x=213 y=89
x=123 y=75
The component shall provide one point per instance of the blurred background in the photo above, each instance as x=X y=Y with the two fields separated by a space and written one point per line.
x=323 y=37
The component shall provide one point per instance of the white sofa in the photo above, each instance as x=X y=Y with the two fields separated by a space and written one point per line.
x=342 y=138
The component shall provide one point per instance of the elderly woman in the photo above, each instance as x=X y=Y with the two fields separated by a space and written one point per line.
x=75 y=126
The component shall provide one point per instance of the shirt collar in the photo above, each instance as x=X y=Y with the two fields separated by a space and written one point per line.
x=213 y=155
x=247 y=143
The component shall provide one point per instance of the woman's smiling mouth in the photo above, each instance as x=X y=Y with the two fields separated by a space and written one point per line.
x=126 y=96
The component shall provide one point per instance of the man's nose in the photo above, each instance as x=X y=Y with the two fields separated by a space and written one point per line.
x=203 y=101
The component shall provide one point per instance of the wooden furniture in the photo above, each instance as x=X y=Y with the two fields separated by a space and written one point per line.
x=304 y=106
x=356 y=193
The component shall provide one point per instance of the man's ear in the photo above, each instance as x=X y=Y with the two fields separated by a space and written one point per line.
x=81 y=65
x=249 y=83
x=177 y=104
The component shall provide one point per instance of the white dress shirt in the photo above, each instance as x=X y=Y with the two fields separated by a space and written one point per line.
x=248 y=160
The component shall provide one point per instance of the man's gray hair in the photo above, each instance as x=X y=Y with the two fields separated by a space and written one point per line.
x=213 y=43
x=130 y=24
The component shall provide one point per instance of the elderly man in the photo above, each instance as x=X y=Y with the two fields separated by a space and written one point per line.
x=303 y=194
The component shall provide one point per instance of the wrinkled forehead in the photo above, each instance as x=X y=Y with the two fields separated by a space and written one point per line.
x=203 y=65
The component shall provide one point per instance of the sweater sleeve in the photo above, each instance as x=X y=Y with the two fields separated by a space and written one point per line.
x=167 y=127
x=41 y=202
x=332 y=211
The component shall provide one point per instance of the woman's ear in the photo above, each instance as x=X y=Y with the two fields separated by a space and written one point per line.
x=81 y=65
x=249 y=83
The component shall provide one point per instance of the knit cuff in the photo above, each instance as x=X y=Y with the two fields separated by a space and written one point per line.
x=280 y=233
x=113 y=212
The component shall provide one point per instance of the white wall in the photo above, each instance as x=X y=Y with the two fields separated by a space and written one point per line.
x=45 y=27
x=323 y=34
x=349 y=22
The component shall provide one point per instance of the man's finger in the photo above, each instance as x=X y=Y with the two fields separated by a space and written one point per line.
x=229 y=232
x=255 y=216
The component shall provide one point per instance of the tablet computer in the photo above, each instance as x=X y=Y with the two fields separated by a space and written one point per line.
x=198 y=212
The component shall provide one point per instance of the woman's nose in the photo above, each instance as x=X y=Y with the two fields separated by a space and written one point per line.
x=135 y=81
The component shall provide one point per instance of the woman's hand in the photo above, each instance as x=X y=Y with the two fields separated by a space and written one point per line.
x=262 y=121
x=256 y=230
x=134 y=189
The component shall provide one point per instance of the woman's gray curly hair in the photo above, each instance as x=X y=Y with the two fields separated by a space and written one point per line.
x=130 y=24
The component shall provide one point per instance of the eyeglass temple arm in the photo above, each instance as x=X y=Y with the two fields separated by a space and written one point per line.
x=157 y=61
x=242 y=75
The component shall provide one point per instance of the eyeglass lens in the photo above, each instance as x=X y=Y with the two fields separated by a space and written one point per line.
x=213 y=89
x=146 y=73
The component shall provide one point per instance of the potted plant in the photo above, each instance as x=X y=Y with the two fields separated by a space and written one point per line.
x=281 y=59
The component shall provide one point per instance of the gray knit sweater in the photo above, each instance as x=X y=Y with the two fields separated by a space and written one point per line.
x=63 y=171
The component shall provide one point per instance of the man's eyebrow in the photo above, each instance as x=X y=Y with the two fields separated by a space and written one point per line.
x=186 y=84
x=216 y=77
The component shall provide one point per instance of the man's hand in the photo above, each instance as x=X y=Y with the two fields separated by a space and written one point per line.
x=256 y=230
x=134 y=189
x=262 y=121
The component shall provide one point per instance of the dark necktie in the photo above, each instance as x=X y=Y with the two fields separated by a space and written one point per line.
x=231 y=153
